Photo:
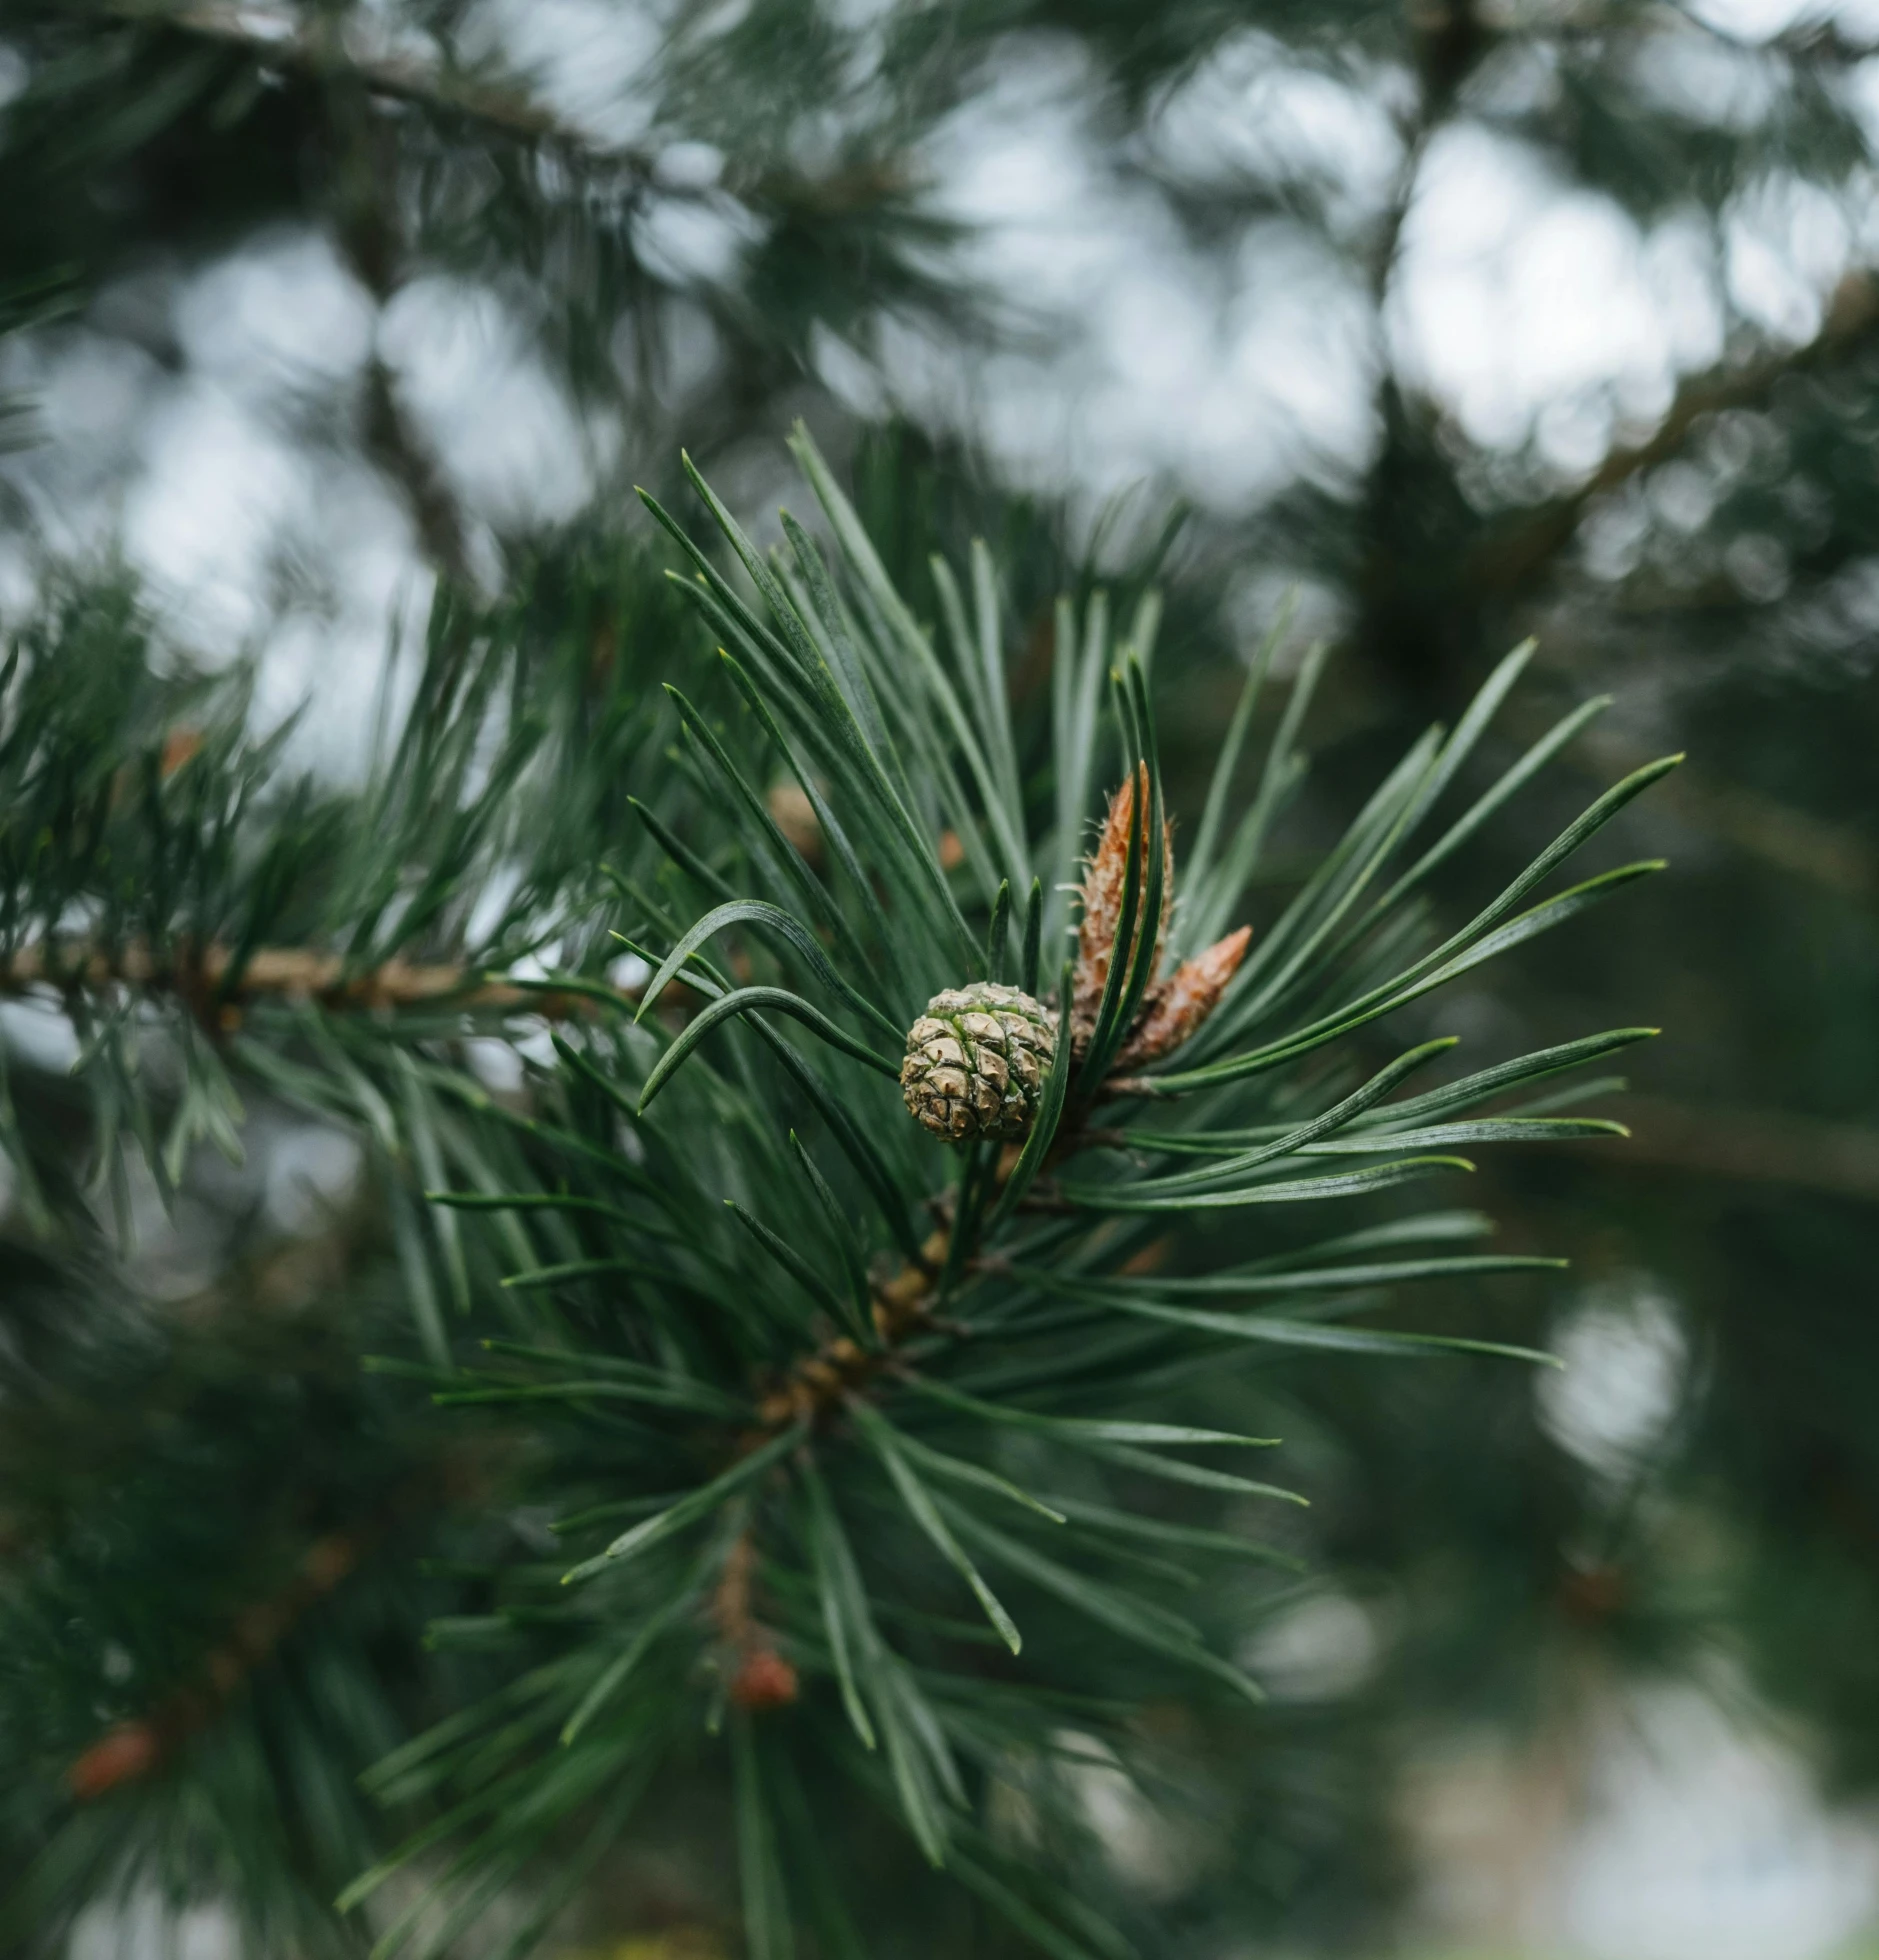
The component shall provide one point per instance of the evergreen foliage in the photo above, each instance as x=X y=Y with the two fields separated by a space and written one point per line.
x=697 y=257
x=854 y=1450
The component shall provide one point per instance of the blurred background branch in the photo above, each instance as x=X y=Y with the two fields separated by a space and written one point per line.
x=1840 y=1160
x=1444 y=324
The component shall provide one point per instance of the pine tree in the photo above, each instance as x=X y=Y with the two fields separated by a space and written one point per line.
x=1710 y=566
x=769 y=1445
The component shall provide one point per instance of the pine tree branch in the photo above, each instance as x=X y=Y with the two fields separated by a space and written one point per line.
x=1755 y=1146
x=816 y=1386
x=1514 y=558
x=401 y=452
x=1447 y=42
x=1797 y=843
x=134 y=1749
x=371 y=233
x=1822 y=41
x=211 y=984
x=275 y=40
x=281 y=43
x=1793 y=841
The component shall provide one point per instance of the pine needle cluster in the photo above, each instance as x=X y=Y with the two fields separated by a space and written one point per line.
x=869 y=1469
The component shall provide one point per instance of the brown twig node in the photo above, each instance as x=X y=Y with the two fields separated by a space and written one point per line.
x=819 y=1384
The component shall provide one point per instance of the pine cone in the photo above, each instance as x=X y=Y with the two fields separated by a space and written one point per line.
x=976 y=1061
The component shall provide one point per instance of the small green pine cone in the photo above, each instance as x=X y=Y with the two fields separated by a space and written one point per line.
x=976 y=1062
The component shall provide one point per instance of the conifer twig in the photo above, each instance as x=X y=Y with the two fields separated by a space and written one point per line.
x=1513 y=559
x=217 y=990
x=135 y=1748
x=1755 y=1146
x=275 y=40
x=139 y=1746
x=1796 y=842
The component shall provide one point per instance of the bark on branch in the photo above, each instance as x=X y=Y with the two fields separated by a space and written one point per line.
x=1513 y=558
x=139 y=1747
x=1754 y=1146
x=287 y=44
x=211 y=982
x=281 y=41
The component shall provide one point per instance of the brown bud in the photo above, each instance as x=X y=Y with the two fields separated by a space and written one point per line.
x=764 y=1679
x=120 y=1755
x=1184 y=1000
x=1104 y=882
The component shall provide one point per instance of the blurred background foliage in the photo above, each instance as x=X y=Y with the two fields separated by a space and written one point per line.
x=1443 y=324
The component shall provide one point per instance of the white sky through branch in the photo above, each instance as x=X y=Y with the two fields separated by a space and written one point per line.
x=1538 y=315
